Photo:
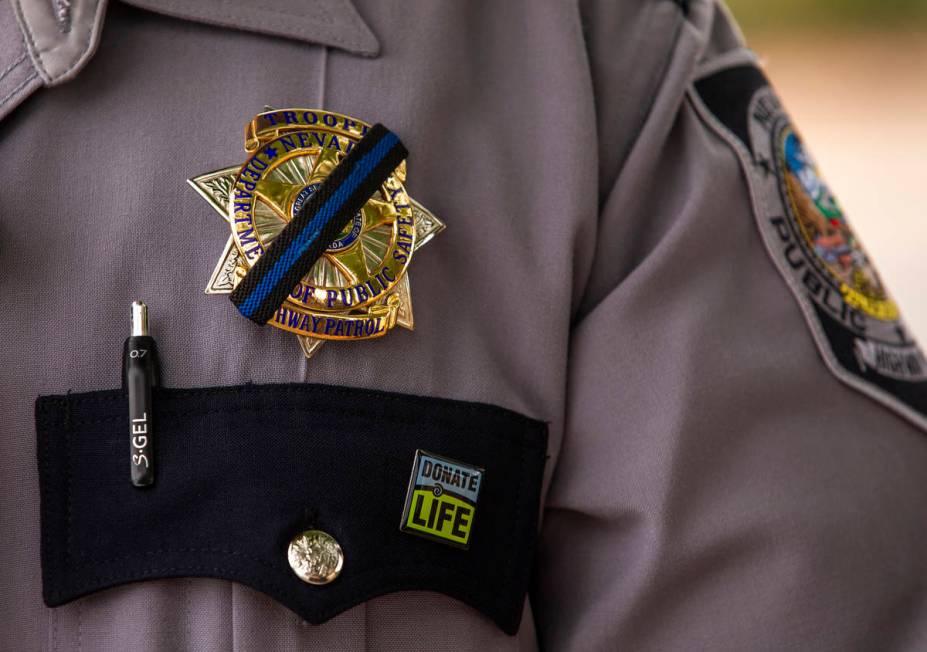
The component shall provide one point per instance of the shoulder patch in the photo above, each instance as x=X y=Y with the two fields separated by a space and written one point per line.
x=855 y=323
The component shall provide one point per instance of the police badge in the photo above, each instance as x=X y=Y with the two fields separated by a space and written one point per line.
x=358 y=288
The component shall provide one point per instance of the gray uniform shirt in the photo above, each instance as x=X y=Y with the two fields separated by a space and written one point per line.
x=710 y=483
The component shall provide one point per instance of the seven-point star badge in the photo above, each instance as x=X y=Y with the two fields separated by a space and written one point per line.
x=359 y=287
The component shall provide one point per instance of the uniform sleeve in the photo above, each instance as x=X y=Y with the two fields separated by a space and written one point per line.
x=716 y=487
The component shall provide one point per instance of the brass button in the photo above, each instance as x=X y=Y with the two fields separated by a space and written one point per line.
x=315 y=557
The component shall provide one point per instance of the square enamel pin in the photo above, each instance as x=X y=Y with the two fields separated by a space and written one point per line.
x=442 y=499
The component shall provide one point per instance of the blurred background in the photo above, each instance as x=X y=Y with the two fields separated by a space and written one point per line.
x=853 y=75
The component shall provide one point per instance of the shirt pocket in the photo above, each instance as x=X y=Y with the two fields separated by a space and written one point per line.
x=240 y=472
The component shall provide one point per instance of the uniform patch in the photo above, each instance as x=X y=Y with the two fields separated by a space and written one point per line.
x=855 y=322
x=441 y=500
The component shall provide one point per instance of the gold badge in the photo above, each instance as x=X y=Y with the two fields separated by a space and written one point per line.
x=359 y=288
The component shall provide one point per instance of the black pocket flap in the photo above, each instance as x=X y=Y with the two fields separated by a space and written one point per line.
x=241 y=470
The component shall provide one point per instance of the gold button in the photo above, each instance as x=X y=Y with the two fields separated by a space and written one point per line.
x=315 y=557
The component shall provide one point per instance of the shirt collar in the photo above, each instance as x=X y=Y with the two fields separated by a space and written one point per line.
x=18 y=77
x=61 y=35
x=335 y=23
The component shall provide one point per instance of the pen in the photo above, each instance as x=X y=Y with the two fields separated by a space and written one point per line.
x=140 y=374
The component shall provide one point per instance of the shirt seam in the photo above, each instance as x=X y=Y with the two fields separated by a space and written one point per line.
x=18 y=88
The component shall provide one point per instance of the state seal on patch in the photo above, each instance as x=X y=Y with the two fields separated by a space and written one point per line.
x=829 y=242
x=359 y=287
x=854 y=321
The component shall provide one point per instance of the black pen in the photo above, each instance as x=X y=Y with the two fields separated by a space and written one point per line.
x=140 y=374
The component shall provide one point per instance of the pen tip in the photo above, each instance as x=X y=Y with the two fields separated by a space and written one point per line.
x=139 y=319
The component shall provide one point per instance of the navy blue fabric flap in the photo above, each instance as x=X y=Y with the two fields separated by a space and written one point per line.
x=241 y=470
